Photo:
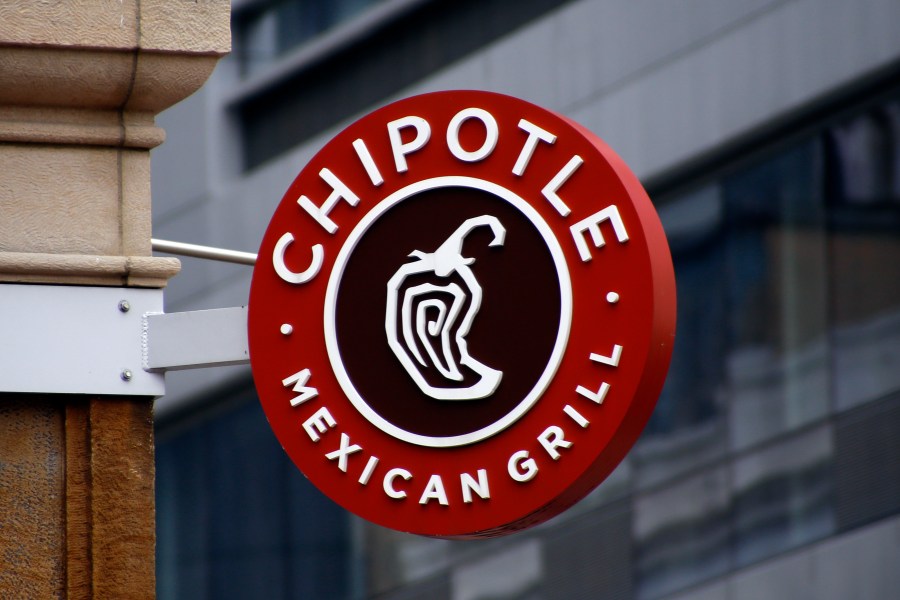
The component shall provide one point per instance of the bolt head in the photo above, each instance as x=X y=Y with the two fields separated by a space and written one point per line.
x=124 y=306
x=126 y=374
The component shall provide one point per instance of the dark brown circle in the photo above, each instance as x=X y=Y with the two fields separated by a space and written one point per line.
x=514 y=331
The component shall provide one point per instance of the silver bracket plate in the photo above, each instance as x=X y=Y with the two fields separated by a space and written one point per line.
x=60 y=339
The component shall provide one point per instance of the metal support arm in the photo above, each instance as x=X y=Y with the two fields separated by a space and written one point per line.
x=196 y=339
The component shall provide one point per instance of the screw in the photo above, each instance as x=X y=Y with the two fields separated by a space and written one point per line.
x=126 y=374
x=124 y=305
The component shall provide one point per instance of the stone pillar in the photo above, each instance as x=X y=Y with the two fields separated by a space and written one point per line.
x=80 y=84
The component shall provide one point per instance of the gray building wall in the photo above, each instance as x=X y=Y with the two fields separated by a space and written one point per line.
x=667 y=85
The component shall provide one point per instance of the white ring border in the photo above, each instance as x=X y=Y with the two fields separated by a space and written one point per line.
x=562 y=337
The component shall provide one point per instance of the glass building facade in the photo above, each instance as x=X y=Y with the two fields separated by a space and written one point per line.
x=774 y=446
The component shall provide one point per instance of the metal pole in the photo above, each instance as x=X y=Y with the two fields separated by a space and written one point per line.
x=208 y=252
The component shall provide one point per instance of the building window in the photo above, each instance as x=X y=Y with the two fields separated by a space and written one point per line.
x=864 y=238
x=236 y=519
x=783 y=496
x=405 y=43
x=788 y=324
x=266 y=31
x=682 y=533
x=777 y=357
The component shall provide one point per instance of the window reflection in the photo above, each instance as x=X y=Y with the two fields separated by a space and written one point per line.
x=864 y=190
x=512 y=574
x=865 y=161
x=687 y=426
x=682 y=534
x=396 y=559
x=270 y=30
x=777 y=358
x=783 y=496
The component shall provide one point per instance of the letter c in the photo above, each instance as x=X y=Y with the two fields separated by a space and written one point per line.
x=389 y=482
x=286 y=274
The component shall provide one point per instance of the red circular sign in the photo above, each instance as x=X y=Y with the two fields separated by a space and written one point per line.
x=462 y=315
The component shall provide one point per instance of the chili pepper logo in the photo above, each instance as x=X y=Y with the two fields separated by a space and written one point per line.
x=436 y=316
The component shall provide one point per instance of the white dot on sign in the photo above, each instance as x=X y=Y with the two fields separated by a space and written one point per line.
x=612 y=297
x=287 y=329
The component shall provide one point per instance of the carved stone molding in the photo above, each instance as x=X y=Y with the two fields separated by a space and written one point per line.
x=77 y=269
x=80 y=85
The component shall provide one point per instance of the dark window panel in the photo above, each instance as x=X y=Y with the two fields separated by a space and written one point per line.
x=868 y=463
x=783 y=496
x=268 y=30
x=238 y=520
x=864 y=194
x=435 y=589
x=682 y=534
x=590 y=557
x=512 y=570
x=687 y=427
x=367 y=73
x=777 y=360
x=183 y=518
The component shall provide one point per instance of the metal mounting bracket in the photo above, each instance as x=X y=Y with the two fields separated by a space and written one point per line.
x=108 y=341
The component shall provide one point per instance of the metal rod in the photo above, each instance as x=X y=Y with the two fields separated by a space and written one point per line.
x=182 y=249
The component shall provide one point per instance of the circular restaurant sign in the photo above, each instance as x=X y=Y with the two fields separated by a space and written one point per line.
x=462 y=315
